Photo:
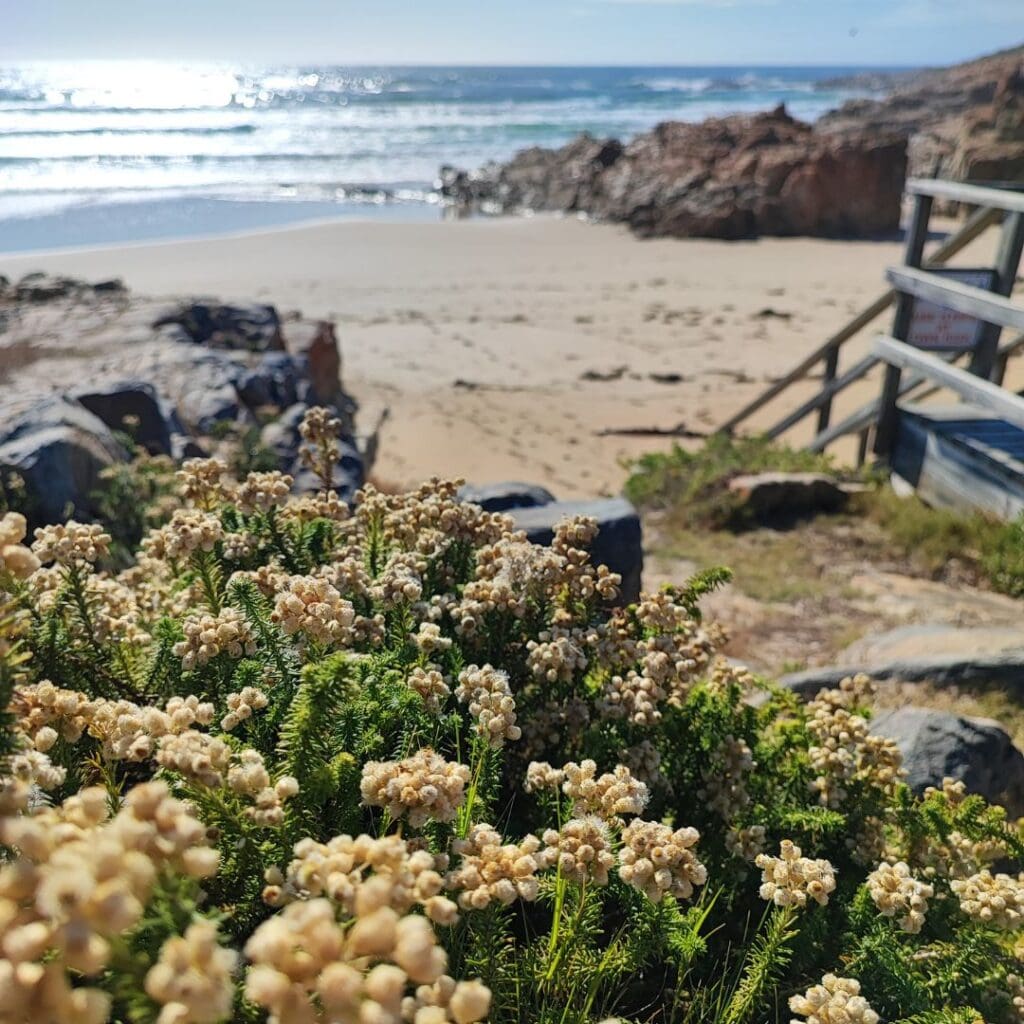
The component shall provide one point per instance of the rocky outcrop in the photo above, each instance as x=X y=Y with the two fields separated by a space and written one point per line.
x=965 y=123
x=732 y=177
x=174 y=379
x=976 y=751
x=58 y=449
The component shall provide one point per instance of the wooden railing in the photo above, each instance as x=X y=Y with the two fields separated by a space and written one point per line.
x=912 y=281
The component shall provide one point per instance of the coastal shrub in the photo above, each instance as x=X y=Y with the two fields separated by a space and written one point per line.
x=304 y=763
x=694 y=485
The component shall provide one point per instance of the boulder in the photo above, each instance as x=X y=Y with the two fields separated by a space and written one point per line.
x=976 y=751
x=619 y=544
x=314 y=341
x=731 y=177
x=773 y=496
x=506 y=495
x=276 y=380
x=59 y=449
x=253 y=326
x=114 y=403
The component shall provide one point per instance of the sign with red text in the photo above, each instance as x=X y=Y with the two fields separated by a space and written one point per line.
x=939 y=329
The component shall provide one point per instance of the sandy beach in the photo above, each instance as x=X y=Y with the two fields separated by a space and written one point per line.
x=523 y=348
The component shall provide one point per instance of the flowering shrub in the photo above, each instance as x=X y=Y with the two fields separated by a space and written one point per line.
x=306 y=763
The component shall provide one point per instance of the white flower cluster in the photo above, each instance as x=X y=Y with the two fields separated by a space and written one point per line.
x=420 y=788
x=203 y=482
x=302 y=961
x=260 y=492
x=71 y=543
x=491 y=703
x=834 y=1001
x=351 y=870
x=400 y=582
x=190 y=530
x=995 y=900
x=192 y=977
x=126 y=731
x=490 y=869
x=15 y=558
x=845 y=751
x=206 y=636
x=428 y=638
x=610 y=795
x=241 y=705
x=790 y=879
x=79 y=880
x=314 y=608
x=659 y=861
x=430 y=684
x=897 y=893
x=556 y=655
x=581 y=849
x=541 y=775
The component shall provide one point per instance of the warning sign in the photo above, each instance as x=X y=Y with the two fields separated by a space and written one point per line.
x=945 y=330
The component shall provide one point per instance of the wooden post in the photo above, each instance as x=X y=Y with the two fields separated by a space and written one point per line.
x=917 y=235
x=985 y=362
x=831 y=365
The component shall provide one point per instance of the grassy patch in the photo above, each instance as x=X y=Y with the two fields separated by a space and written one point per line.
x=691 y=489
x=694 y=485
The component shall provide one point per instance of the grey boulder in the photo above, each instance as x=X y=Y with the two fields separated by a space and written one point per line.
x=976 y=751
x=506 y=495
x=619 y=543
x=59 y=450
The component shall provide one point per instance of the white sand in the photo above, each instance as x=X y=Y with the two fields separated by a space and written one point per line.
x=518 y=311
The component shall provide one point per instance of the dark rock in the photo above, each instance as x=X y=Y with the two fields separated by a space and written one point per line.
x=976 y=751
x=771 y=496
x=113 y=284
x=276 y=380
x=1003 y=670
x=253 y=327
x=115 y=402
x=619 y=544
x=59 y=449
x=731 y=177
x=40 y=287
x=500 y=497
x=314 y=341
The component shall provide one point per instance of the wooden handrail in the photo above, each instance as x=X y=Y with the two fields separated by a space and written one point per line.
x=863 y=417
x=974 y=389
x=975 y=225
x=963 y=298
x=975 y=195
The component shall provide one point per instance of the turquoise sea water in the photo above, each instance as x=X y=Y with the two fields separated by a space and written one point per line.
x=92 y=153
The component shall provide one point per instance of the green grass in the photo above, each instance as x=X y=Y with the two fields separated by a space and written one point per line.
x=695 y=484
x=691 y=489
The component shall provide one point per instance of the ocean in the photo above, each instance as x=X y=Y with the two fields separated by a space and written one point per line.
x=95 y=153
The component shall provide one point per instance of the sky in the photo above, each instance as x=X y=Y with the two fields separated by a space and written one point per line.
x=854 y=32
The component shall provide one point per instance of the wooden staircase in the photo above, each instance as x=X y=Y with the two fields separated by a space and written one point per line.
x=970 y=455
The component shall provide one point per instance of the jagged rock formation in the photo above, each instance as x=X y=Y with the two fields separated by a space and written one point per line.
x=731 y=177
x=965 y=123
x=736 y=177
